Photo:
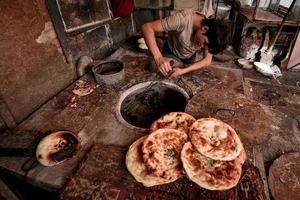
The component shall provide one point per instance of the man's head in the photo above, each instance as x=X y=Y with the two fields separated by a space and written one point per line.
x=214 y=34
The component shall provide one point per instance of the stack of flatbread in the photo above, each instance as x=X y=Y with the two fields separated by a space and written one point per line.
x=214 y=156
x=155 y=159
x=207 y=150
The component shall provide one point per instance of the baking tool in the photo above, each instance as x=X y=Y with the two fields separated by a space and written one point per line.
x=57 y=147
x=28 y=152
x=31 y=151
x=284 y=62
x=267 y=56
x=266 y=43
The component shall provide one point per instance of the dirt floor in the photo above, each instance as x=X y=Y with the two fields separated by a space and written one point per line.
x=264 y=112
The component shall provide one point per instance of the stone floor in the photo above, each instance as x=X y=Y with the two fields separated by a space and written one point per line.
x=105 y=137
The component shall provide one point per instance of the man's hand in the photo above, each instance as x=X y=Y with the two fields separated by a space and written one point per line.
x=176 y=72
x=163 y=65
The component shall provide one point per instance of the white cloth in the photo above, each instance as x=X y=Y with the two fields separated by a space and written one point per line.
x=207 y=9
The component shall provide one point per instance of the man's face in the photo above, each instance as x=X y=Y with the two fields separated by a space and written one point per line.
x=200 y=39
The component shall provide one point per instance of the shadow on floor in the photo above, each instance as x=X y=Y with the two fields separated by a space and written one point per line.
x=23 y=190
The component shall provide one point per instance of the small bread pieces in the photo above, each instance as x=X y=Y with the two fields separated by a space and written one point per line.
x=161 y=152
x=57 y=147
x=215 y=139
x=175 y=120
x=83 y=88
x=141 y=41
x=143 y=46
x=138 y=169
x=211 y=174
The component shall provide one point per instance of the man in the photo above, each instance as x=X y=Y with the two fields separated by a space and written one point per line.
x=188 y=31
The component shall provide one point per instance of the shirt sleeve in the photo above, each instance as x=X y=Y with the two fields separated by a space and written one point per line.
x=177 y=21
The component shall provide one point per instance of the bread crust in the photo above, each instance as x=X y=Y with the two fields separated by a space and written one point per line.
x=161 y=152
x=215 y=139
x=211 y=174
x=138 y=169
x=175 y=120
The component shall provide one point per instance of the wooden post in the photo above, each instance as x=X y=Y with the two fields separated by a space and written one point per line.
x=255 y=10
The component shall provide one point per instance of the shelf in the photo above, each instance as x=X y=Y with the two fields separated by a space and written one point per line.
x=263 y=17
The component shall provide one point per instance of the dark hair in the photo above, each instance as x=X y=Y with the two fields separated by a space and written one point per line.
x=218 y=34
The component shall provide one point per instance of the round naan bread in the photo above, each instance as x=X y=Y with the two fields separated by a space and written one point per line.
x=175 y=120
x=57 y=147
x=215 y=139
x=138 y=169
x=241 y=113
x=211 y=174
x=161 y=152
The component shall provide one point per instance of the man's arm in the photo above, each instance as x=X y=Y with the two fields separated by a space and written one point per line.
x=149 y=29
x=195 y=66
x=199 y=64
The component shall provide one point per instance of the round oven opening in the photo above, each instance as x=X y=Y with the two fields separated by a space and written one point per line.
x=145 y=102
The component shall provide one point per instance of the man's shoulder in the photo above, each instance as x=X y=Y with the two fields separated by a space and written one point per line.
x=178 y=21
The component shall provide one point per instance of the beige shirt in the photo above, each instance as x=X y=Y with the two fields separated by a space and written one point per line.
x=180 y=30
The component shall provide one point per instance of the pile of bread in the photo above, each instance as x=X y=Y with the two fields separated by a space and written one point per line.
x=207 y=150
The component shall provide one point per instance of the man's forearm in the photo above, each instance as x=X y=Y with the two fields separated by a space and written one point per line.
x=149 y=29
x=198 y=65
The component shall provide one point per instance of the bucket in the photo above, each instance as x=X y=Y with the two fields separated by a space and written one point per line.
x=109 y=73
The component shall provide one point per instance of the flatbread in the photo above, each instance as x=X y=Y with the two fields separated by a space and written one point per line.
x=211 y=174
x=161 y=152
x=83 y=88
x=138 y=169
x=215 y=139
x=175 y=120
x=57 y=147
x=243 y=114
